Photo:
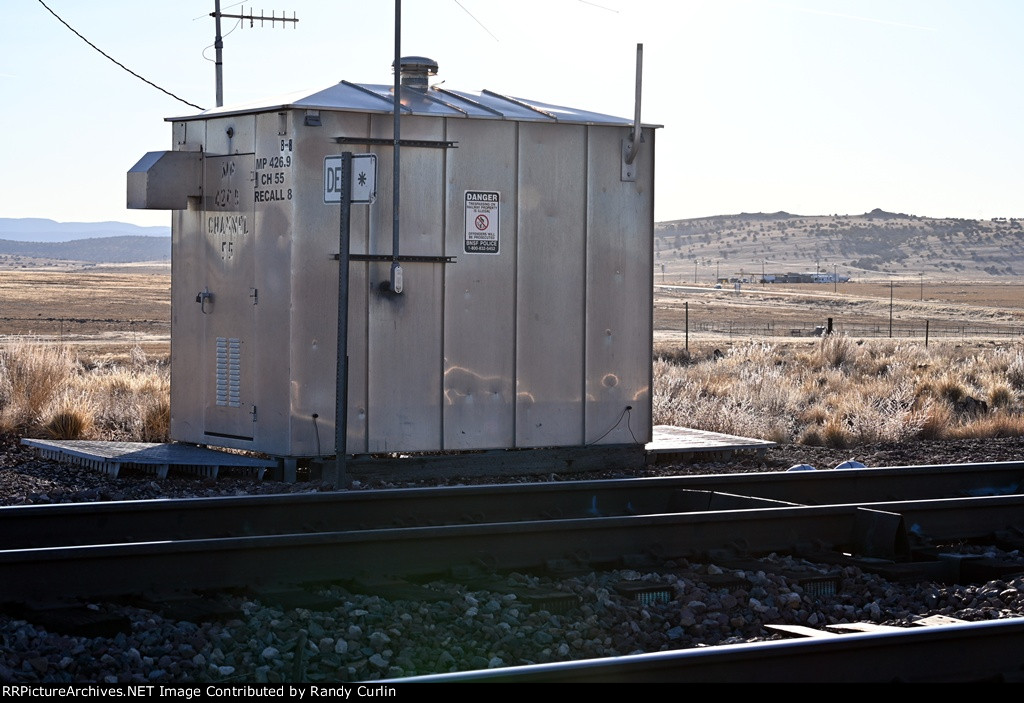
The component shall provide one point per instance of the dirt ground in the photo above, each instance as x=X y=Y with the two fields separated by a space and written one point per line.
x=924 y=311
x=108 y=310
x=100 y=311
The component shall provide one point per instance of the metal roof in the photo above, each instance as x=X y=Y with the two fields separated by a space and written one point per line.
x=434 y=101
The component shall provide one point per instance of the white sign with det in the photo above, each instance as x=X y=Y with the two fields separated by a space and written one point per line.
x=364 y=179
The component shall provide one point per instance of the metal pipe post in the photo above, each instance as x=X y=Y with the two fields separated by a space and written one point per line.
x=341 y=380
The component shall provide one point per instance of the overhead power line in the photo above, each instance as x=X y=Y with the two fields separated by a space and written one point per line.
x=116 y=61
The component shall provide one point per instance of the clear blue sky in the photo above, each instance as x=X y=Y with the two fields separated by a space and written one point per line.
x=810 y=106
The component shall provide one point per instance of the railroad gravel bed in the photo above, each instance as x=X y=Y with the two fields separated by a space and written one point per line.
x=366 y=637
x=27 y=479
x=452 y=626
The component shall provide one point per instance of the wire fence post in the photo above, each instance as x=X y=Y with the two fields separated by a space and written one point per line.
x=890 y=309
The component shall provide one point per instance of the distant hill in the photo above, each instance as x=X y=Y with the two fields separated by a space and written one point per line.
x=876 y=244
x=105 y=250
x=34 y=229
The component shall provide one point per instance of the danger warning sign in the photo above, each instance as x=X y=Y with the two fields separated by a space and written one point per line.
x=482 y=207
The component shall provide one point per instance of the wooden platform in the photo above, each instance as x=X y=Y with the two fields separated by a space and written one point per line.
x=669 y=440
x=669 y=443
x=158 y=459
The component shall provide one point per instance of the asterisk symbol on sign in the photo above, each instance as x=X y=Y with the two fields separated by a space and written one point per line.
x=362 y=179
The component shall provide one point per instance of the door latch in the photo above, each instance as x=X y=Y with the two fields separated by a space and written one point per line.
x=202 y=297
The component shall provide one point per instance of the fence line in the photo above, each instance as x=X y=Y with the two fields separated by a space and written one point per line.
x=904 y=329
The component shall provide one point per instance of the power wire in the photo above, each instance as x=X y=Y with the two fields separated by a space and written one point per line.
x=625 y=414
x=115 y=60
x=476 y=20
x=600 y=7
x=226 y=7
x=225 y=36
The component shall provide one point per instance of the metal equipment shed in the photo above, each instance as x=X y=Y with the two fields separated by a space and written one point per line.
x=523 y=311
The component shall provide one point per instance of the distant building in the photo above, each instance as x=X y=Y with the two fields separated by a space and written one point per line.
x=804 y=277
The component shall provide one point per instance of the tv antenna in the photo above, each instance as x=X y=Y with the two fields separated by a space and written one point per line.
x=218 y=41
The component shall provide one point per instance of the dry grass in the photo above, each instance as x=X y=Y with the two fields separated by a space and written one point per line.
x=48 y=390
x=835 y=391
x=843 y=393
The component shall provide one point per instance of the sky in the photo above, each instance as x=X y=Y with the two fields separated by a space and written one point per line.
x=814 y=107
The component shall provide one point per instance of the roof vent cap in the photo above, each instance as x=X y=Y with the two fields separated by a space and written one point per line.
x=416 y=70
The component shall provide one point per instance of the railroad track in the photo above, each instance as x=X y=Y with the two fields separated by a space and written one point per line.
x=286 y=541
x=950 y=653
x=69 y=524
x=110 y=550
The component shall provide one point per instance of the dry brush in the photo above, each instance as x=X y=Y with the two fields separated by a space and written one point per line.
x=842 y=393
x=836 y=392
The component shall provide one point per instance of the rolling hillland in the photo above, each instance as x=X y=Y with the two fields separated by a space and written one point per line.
x=875 y=246
x=38 y=243
x=99 y=250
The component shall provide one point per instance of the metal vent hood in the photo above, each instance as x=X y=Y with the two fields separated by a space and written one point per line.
x=164 y=180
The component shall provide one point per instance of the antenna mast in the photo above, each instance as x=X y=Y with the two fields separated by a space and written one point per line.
x=218 y=40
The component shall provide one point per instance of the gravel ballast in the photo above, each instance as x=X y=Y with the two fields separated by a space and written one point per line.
x=455 y=626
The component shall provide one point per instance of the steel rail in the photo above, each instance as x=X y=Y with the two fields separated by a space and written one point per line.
x=988 y=651
x=53 y=573
x=155 y=520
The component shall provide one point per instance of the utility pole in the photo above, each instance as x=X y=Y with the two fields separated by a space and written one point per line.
x=218 y=40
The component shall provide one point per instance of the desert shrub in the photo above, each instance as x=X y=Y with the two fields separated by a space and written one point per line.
x=936 y=420
x=46 y=390
x=811 y=436
x=813 y=415
x=835 y=350
x=31 y=374
x=69 y=423
x=137 y=358
x=1015 y=372
x=156 y=420
x=133 y=403
x=672 y=353
x=1000 y=395
x=992 y=425
x=835 y=435
x=951 y=388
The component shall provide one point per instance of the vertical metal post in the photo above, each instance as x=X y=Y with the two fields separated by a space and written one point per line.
x=397 y=127
x=926 y=334
x=687 y=306
x=341 y=380
x=218 y=44
x=634 y=145
x=890 y=309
